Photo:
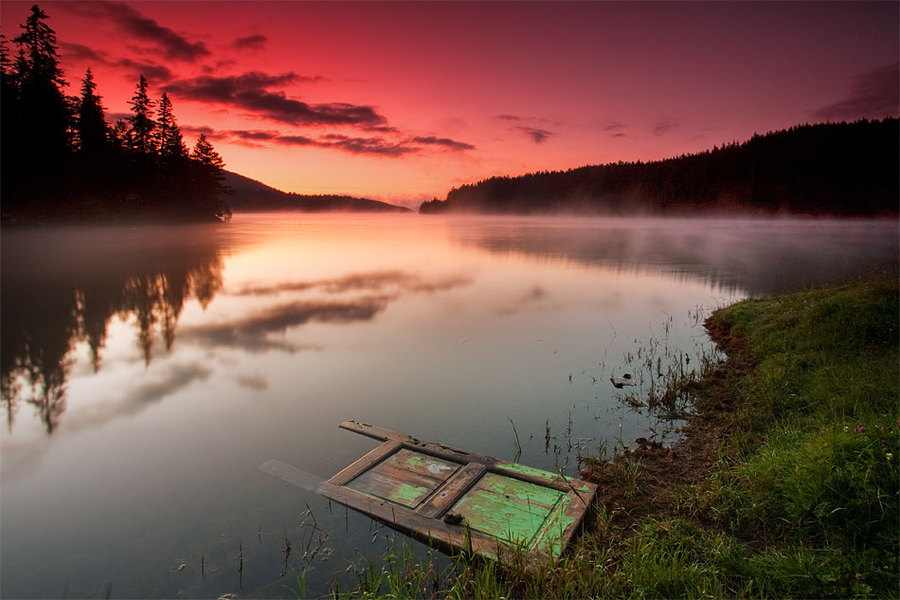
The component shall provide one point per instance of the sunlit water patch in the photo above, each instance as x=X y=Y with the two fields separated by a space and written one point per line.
x=149 y=372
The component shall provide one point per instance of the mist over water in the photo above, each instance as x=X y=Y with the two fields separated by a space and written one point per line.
x=148 y=372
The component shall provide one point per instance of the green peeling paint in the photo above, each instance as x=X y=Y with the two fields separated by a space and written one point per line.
x=523 y=491
x=550 y=539
x=407 y=495
x=508 y=509
x=526 y=470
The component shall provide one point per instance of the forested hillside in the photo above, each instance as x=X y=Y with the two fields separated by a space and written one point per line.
x=249 y=195
x=825 y=169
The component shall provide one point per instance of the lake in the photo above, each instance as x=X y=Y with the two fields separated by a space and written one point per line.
x=148 y=372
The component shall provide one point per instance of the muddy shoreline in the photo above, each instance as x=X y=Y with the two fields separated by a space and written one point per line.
x=645 y=479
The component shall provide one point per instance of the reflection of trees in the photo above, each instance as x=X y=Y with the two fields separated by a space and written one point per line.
x=755 y=256
x=61 y=287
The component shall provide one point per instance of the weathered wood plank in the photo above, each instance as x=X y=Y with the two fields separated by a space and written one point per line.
x=404 y=477
x=422 y=464
x=454 y=487
x=385 y=487
x=374 y=457
x=524 y=492
x=394 y=471
x=507 y=509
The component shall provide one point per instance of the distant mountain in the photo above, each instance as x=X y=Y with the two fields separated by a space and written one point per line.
x=252 y=196
x=850 y=169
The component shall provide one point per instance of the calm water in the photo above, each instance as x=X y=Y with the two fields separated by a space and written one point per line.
x=148 y=372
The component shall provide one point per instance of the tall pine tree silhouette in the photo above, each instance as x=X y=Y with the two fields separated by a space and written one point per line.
x=210 y=180
x=45 y=142
x=169 y=142
x=93 y=132
x=142 y=124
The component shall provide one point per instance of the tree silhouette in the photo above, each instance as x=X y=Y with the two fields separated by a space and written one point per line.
x=93 y=132
x=210 y=179
x=169 y=141
x=42 y=105
x=142 y=124
x=824 y=169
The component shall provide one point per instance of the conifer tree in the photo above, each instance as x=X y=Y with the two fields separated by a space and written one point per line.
x=142 y=124
x=170 y=144
x=44 y=111
x=205 y=154
x=92 y=130
x=211 y=180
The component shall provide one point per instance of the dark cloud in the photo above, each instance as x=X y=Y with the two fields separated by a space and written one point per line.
x=79 y=52
x=253 y=134
x=616 y=130
x=875 y=94
x=251 y=42
x=172 y=45
x=373 y=145
x=295 y=140
x=538 y=136
x=205 y=130
x=664 y=127
x=251 y=91
x=82 y=53
x=445 y=142
x=154 y=73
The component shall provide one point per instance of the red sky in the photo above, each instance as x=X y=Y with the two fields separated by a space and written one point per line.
x=403 y=101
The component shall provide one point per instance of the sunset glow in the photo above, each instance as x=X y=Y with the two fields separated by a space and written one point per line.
x=403 y=101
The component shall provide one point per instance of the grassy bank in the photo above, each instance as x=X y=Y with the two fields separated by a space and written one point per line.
x=786 y=485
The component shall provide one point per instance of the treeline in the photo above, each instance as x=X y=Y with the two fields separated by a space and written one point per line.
x=825 y=169
x=61 y=161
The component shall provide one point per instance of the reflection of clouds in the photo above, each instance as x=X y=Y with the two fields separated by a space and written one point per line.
x=253 y=382
x=20 y=459
x=252 y=333
x=152 y=390
x=532 y=297
x=372 y=282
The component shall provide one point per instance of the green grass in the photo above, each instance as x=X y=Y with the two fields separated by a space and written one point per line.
x=804 y=500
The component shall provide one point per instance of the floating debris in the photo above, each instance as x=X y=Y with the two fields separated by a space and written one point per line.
x=622 y=381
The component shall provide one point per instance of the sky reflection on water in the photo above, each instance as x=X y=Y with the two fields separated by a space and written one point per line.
x=148 y=372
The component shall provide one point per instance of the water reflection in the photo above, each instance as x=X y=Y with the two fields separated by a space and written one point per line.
x=62 y=286
x=254 y=333
x=170 y=363
x=756 y=257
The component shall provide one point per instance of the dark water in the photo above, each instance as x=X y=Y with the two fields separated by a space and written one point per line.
x=149 y=372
